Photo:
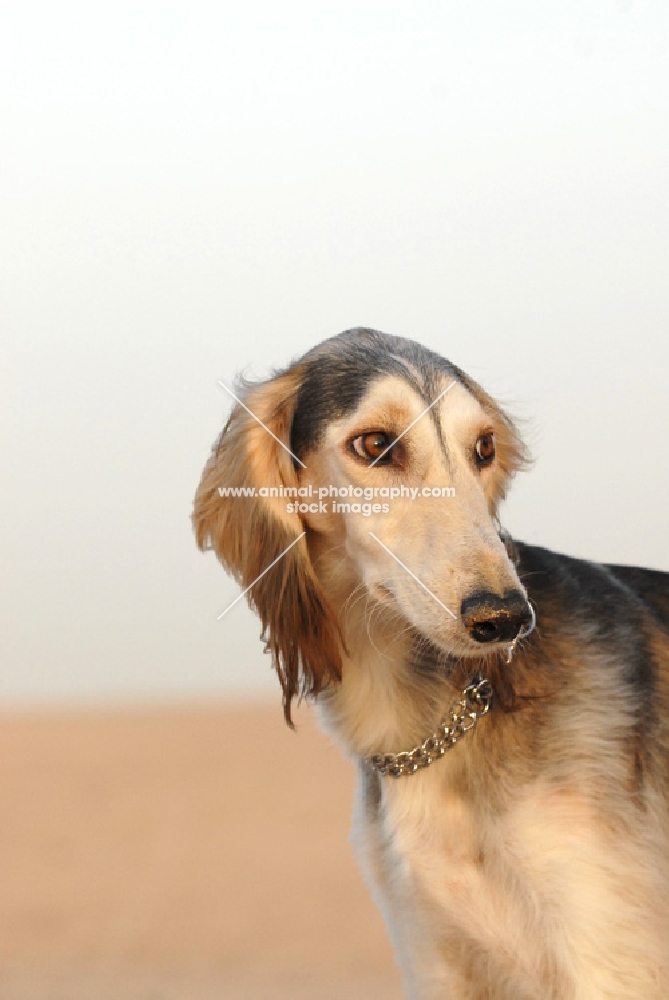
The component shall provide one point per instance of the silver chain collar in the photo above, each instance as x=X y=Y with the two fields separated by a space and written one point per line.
x=463 y=715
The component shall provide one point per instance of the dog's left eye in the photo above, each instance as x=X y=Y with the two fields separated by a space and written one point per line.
x=373 y=445
x=485 y=450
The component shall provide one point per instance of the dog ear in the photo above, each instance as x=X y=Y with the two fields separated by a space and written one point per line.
x=249 y=533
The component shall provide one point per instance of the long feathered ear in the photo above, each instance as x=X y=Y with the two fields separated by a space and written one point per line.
x=249 y=532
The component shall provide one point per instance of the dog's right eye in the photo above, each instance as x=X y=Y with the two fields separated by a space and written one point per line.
x=371 y=446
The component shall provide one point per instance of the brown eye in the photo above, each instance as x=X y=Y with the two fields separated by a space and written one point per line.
x=373 y=445
x=485 y=450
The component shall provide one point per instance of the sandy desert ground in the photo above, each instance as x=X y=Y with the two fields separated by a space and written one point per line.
x=192 y=853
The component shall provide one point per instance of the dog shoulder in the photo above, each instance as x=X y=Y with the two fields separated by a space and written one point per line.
x=605 y=630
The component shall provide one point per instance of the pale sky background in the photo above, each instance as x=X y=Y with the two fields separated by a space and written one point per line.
x=188 y=190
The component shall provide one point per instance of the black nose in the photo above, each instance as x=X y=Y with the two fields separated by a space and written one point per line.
x=491 y=618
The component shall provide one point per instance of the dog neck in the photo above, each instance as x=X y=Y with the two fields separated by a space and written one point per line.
x=393 y=693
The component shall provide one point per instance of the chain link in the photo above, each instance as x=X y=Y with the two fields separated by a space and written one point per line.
x=463 y=715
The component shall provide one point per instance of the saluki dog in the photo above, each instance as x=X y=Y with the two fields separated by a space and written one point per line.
x=506 y=706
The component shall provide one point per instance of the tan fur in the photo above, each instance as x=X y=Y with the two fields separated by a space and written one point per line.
x=532 y=862
x=298 y=628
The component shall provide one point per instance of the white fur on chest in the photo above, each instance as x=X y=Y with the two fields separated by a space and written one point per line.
x=536 y=893
x=451 y=879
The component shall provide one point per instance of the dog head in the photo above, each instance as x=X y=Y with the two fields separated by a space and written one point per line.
x=375 y=463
